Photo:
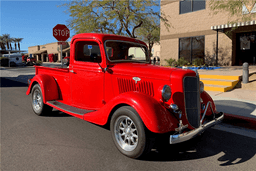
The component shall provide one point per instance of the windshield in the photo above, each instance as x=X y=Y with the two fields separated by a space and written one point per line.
x=125 y=51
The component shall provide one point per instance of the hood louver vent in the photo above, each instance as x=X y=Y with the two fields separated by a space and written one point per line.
x=126 y=85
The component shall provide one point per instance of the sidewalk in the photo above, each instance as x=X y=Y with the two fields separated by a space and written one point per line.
x=239 y=105
x=13 y=74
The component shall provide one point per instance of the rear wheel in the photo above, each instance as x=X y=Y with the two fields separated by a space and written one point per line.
x=129 y=133
x=38 y=105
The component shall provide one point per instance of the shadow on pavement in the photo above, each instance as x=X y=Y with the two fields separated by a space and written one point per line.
x=57 y=113
x=7 y=82
x=232 y=148
x=236 y=107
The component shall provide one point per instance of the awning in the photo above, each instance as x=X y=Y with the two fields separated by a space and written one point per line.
x=39 y=52
x=66 y=50
x=223 y=26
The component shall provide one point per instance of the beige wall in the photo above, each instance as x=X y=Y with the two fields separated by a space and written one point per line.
x=33 y=49
x=197 y=23
x=156 y=50
x=50 y=48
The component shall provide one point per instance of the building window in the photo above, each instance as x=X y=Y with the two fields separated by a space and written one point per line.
x=191 y=48
x=191 y=5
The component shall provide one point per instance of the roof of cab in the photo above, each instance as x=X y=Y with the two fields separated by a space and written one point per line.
x=104 y=37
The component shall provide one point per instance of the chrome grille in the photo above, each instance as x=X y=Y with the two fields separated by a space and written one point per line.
x=126 y=85
x=192 y=100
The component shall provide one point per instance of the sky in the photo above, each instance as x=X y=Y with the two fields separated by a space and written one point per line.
x=32 y=20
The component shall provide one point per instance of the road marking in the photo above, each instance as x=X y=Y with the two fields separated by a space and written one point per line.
x=236 y=130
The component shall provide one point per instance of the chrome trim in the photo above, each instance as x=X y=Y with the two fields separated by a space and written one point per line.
x=165 y=96
x=178 y=138
x=209 y=103
x=174 y=107
x=136 y=79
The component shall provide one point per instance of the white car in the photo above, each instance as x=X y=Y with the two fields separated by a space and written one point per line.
x=14 y=58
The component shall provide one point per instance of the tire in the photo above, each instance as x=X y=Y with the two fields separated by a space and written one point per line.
x=129 y=133
x=38 y=105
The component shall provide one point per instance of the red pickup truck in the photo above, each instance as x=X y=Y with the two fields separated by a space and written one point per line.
x=110 y=81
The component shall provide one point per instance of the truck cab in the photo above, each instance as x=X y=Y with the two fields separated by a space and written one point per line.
x=110 y=80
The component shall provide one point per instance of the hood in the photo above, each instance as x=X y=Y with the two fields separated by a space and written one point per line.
x=142 y=70
x=149 y=71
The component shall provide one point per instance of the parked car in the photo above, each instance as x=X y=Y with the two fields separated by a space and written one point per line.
x=66 y=60
x=107 y=83
x=31 y=60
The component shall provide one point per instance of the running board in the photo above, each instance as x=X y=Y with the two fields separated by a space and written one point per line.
x=68 y=108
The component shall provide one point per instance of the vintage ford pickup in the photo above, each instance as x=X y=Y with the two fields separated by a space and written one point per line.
x=110 y=81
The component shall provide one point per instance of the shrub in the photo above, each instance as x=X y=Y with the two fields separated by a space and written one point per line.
x=38 y=62
x=198 y=62
x=171 y=62
x=182 y=61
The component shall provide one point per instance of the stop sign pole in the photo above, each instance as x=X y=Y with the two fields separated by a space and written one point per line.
x=61 y=33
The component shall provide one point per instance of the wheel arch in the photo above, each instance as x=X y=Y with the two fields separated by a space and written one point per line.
x=48 y=87
x=154 y=116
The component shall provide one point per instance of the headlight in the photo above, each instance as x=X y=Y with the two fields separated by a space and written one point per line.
x=201 y=86
x=166 y=93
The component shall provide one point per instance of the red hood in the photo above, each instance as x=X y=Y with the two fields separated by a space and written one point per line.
x=146 y=70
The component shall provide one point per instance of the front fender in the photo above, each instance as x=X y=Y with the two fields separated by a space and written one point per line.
x=48 y=86
x=154 y=115
x=207 y=98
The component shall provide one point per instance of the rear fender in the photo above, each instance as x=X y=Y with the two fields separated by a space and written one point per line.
x=48 y=86
x=154 y=115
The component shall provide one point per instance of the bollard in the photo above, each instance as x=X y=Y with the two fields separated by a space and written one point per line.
x=245 y=73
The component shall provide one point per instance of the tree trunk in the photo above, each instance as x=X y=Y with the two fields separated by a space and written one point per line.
x=150 y=45
x=7 y=45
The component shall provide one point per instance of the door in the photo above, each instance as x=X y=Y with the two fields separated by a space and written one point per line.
x=87 y=77
x=246 y=48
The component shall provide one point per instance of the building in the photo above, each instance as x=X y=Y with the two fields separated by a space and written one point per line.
x=196 y=33
x=41 y=52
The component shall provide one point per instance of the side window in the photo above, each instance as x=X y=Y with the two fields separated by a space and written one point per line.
x=88 y=51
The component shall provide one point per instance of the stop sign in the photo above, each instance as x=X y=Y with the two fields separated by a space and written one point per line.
x=61 y=32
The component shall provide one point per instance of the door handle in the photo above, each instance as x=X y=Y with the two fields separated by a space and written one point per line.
x=72 y=71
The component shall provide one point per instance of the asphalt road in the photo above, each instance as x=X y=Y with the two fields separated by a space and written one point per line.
x=62 y=142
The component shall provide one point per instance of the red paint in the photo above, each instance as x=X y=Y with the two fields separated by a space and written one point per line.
x=104 y=86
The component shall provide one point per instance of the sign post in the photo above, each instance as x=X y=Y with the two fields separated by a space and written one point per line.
x=61 y=33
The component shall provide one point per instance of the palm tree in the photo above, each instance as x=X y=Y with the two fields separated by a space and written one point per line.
x=19 y=40
x=2 y=43
x=11 y=40
x=15 y=41
x=6 y=39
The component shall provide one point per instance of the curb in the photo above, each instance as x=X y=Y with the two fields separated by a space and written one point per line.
x=240 y=121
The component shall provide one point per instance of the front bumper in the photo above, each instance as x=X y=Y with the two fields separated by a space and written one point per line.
x=178 y=138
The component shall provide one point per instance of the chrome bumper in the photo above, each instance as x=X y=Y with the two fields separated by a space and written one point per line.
x=178 y=138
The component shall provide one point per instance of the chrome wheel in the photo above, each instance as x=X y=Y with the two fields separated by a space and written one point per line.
x=126 y=133
x=38 y=105
x=37 y=100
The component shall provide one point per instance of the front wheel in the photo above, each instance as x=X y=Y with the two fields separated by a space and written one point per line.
x=38 y=105
x=129 y=132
